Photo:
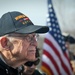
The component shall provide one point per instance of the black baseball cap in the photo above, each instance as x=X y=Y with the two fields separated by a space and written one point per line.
x=17 y=22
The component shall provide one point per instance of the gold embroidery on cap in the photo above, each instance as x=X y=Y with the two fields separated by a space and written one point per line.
x=23 y=19
x=25 y=22
x=20 y=16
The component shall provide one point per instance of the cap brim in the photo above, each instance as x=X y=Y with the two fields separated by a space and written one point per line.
x=33 y=29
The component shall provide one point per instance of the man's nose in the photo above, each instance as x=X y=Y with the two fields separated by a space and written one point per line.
x=34 y=42
x=33 y=66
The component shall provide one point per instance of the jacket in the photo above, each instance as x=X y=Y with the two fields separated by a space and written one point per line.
x=7 y=70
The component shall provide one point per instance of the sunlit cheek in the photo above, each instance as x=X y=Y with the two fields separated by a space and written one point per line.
x=25 y=48
x=19 y=48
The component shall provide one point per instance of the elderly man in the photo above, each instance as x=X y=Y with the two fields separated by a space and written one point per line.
x=17 y=42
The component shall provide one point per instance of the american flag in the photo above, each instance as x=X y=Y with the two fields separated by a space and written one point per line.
x=55 y=60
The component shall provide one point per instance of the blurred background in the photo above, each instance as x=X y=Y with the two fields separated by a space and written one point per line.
x=36 y=10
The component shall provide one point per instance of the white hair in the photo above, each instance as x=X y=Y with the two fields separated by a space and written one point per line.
x=7 y=35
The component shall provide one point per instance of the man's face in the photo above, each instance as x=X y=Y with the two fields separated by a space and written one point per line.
x=29 y=70
x=24 y=46
x=30 y=67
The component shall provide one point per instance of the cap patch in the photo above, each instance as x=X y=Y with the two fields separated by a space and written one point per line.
x=20 y=16
x=23 y=19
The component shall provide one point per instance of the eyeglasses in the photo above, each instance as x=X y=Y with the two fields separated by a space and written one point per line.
x=30 y=63
x=31 y=38
x=26 y=36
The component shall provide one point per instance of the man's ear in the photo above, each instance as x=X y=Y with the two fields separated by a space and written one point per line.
x=3 y=42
